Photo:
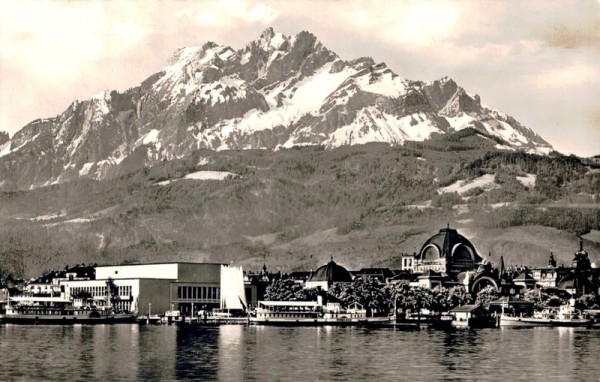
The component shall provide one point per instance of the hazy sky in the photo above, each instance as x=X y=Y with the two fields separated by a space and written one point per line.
x=538 y=61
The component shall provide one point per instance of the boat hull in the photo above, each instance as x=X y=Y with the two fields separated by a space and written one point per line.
x=506 y=321
x=371 y=321
x=67 y=319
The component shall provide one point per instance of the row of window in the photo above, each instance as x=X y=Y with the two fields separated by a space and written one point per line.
x=198 y=293
x=287 y=315
x=94 y=291
x=125 y=290
x=123 y=306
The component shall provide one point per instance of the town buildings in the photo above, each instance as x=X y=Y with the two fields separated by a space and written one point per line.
x=578 y=279
x=445 y=259
x=159 y=287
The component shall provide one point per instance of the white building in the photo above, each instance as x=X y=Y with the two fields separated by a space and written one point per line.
x=159 y=287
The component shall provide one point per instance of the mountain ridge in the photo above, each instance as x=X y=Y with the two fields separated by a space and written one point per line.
x=276 y=92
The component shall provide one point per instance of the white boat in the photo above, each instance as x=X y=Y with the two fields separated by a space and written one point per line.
x=566 y=315
x=55 y=310
x=313 y=313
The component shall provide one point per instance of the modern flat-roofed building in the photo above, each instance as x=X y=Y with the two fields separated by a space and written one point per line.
x=159 y=287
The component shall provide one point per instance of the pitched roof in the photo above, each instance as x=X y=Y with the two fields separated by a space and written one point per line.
x=465 y=308
x=524 y=276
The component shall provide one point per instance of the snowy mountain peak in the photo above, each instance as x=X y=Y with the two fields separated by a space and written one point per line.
x=278 y=91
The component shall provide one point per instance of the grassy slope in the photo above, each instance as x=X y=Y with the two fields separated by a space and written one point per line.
x=298 y=207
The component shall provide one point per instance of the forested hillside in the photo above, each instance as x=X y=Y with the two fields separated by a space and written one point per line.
x=295 y=208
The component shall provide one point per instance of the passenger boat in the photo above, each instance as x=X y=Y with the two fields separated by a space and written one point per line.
x=313 y=313
x=566 y=315
x=53 y=310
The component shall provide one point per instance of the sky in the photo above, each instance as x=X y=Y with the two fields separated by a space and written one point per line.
x=538 y=61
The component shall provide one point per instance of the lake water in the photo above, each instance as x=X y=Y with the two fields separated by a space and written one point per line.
x=256 y=353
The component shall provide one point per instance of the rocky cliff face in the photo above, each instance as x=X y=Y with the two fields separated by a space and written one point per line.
x=277 y=92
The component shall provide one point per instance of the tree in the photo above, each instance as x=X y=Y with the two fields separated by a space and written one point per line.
x=113 y=292
x=458 y=296
x=439 y=300
x=289 y=290
x=486 y=295
x=365 y=291
x=396 y=294
x=542 y=298
x=417 y=299
x=587 y=301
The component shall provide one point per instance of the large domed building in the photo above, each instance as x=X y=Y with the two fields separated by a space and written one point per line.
x=328 y=274
x=448 y=258
x=447 y=252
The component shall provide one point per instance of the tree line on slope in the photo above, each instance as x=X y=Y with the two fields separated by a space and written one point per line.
x=296 y=191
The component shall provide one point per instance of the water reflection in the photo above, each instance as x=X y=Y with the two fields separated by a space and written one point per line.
x=231 y=353
x=157 y=347
x=197 y=353
x=130 y=352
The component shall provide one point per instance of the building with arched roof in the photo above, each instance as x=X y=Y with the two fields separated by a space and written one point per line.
x=328 y=274
x=447 y=252
x=448 y=258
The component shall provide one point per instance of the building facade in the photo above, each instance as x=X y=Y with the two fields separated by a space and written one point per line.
x=578 y=279
x=447 y=252
x=159 y=287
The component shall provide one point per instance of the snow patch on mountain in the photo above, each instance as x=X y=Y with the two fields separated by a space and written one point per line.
x=85 y=169
x=383 y=82
x=505 y=131
x=201 y=175
x=527 y=180
x=372 y=125
x=222 y=91
x=485 y=182
x=5 y=149
x=304 y=97
x=310 y=93
x=150 y=137
x=461 y=121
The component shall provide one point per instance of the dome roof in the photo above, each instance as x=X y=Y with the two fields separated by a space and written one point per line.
x=581 y=259
x=573 y=281
x=448 y=243
x=332 y=273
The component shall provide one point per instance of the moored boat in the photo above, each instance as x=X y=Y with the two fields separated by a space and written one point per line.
x=63 y=316
x=566 y=315
x=54 y=310
x=312 y=313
